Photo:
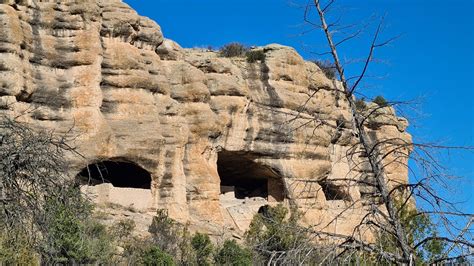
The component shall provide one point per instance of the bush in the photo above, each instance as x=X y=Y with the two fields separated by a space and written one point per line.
x=172 y=237
x=255 y=55
x=273 y=232
x=45 y=218
x=232 y=253
x=233 y=50
x=361 y=105
x=155 y=256
x=380 y=101
x=165 y=232
x=123 y=229
x=72 y=236
x=328 y=68
x=15 y=249
x=203 y=247
x=134 y=249
x=418 y=226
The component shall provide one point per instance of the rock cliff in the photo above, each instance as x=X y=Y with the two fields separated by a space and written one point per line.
x=211 y=139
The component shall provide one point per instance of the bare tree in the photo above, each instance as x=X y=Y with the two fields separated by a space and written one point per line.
x=378 y=155
x=406 y=220
x=33 y=178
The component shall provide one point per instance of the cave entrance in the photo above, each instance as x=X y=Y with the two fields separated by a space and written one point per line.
x=334 y=192
x=118 y=173
x=248 y=179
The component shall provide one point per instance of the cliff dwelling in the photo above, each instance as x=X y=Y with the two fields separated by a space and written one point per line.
x=117 y=173
x=247 y=179
x=135 y=95
x=107 y=182
x=246 y=186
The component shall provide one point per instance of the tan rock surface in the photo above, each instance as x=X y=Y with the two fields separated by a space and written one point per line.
x=106 y=77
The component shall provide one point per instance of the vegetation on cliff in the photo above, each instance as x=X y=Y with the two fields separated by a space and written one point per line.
x=46 y=220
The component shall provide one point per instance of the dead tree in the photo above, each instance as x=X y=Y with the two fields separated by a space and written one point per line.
x=357 y=123
x=33 y=170
x=396 y=206
x=378 y=151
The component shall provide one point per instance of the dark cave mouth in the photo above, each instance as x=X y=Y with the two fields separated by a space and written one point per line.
x=334 y=192
x=118 y=173
x=247 y=178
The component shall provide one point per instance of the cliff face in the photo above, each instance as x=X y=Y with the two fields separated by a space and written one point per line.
x=211 y=139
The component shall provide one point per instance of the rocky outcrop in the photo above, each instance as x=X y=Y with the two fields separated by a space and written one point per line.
x=219 y=137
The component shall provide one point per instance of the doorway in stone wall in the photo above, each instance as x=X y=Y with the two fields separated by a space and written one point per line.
x=245 y=186
x=117 y=183
x=248 y=179
x=118 y=173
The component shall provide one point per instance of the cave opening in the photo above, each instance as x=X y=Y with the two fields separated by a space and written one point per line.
x=118 y=173
x=334 y=192
x=248 y=179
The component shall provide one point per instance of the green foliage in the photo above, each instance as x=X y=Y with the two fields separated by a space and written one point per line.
x=67 y=235
x=418 y=226
x=255 y=55
x=234 y=49
x=172 y=237
x=272 y=232
x=203 y=247
x=232 y=253
x=43 y=216
x=166 y=233
x=155 y=256
x=328 y=68
x=270 y=228
x=380 y=101
x=123 y=229
x=15 y=249
x=72 y=236
x=361 y=105
x=133 y=247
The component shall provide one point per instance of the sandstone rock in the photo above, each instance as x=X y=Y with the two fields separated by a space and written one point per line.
x=275 y=131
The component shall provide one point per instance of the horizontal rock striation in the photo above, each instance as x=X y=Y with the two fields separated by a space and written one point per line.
x=220 y=137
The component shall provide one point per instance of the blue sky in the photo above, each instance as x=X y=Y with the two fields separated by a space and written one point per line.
x=432 y=62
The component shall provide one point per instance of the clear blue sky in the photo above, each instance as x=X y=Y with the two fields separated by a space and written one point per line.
x=432 y=62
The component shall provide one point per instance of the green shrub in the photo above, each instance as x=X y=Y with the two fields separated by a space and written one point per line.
x=255 y=55
x=155 y=256
x=172 y=237
x=272 y=231
x=134 y=249
x=418 y=226
x=361 y=105
x=71 y=236
x=15 y=249
x=232 y=253
x=165 y=231
x=328 y=68
x=380 y=101
x=203 y=247
x=123 y=229
x=234 y=49
x=45 y=219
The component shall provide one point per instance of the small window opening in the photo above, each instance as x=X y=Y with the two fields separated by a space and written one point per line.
x=247 y=178
x=334 y=192
x=118 y=173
